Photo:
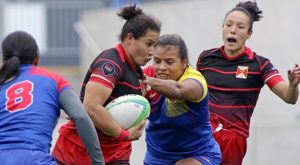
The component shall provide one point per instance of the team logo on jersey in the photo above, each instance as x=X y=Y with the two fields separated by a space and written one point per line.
x=108 y=68
x=242 y=72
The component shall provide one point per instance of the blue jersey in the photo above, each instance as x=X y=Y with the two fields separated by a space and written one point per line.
x=29 y=109
x=178 y=129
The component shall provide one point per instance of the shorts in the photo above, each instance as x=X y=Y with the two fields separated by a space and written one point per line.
x=204 y=159
x=208 y=160
x=119 y=162
x=67 y=152
x=233 y=146
x=70 y=150
x=26 y=156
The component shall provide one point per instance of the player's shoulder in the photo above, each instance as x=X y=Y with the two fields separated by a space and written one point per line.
x=41 y=71
x=36 y=70
x=260 y=56
x=208 y=52
x=109 y=54
x=192 y=73
x=261 y=60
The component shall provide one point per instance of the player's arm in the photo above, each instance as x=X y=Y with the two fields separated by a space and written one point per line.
x=189 y=89
x=95 y=96
x=71 y=104
x=289 y=92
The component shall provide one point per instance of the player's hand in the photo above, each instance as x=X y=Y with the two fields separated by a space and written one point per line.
x=144 y=85
x=146 y=81
x=136 y=132
x=294 y=75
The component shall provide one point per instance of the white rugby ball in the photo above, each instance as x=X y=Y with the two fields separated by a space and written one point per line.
x=129 y=110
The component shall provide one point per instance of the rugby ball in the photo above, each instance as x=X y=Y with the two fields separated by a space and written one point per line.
x=129 y=110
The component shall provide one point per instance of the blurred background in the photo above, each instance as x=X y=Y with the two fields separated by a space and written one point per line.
x=70 y=33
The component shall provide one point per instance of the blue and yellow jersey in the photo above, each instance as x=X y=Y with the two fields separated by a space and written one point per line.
x=177 y=128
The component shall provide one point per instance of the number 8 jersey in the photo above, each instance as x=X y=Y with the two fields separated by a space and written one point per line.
x=29 y=109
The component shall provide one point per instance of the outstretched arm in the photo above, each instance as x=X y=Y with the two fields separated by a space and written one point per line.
x=71 y=104
x=289 y=92
x=189 y=89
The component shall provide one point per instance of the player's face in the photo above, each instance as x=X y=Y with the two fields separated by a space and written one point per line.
x=142 y=49
x=167 y=63
x=235 y=32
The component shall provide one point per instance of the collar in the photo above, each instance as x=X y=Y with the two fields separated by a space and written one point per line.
x=124 y=57
x=247 y=51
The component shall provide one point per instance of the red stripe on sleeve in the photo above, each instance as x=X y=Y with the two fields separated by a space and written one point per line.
x=101 y=81
x=274 y=81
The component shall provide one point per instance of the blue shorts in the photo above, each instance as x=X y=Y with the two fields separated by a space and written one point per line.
x=205 y=160
x=26 y=156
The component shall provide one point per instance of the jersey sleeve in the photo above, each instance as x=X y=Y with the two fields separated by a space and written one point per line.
x=270 y=74
x=200 y=62
x=149 y=71
x=106 y=71
x=151 y=95
x=197 y=76
x=62 y=84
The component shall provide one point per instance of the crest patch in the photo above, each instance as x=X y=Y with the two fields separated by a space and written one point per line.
x=108 y=68
x=242 y=72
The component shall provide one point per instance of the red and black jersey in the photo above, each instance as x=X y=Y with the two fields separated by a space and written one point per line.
x=113 y=69
x=234 y=85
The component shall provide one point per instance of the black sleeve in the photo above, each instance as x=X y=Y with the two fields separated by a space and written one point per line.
x=71 y=104
x=199 y=64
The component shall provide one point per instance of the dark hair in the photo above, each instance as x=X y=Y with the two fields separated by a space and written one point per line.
x=251 y=9
x=18 y=48
x=137 y=22
x=174 y=40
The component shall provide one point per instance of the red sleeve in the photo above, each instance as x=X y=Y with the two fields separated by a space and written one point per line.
x=149 y=71
x=273 y=80
x=152 y=94
x=270 y=74
x=62 y=83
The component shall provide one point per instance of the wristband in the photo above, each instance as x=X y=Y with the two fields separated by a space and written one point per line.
x=123 y=135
